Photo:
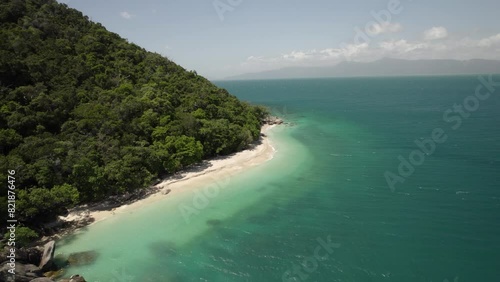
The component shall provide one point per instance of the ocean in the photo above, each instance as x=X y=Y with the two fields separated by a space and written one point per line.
x=374 y=179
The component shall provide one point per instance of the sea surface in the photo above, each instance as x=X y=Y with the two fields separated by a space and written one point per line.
x=374 y=179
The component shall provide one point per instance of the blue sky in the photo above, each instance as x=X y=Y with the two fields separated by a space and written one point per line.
x=219 y=38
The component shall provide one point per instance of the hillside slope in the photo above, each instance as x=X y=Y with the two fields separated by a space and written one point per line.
x=84 y=114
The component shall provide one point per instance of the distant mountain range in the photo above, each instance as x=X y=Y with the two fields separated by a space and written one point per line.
x=383 y=67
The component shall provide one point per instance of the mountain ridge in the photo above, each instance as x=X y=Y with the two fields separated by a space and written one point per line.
x=380 y=68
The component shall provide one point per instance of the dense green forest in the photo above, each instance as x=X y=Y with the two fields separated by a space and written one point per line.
x=84 y=114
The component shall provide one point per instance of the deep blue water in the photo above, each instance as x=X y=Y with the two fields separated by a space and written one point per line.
x=442 y=223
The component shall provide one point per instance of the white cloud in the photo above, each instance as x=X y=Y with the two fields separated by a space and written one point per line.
x=126 y=15
x=490 y=41
x=449 y=48
x=434 y=33
x=308 y=58
x=353 y=50
x=402 y=46
x=385 y=27
x=298 y=55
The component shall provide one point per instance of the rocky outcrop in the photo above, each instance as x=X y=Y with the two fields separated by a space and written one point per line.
x=77 y=278
x=26 y=269
x=272 y=120
x=42 y=279
x=30 y=255
x=82 y=258
x=47 y=261
x=23 y=273
x=74 y=278
x=54 y=274
x=24 y=255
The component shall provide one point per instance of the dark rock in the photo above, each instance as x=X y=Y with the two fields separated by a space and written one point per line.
x=3 y=254
x=110 y=204
x=23 y=273
x=82 y=258
x=42 y=279
x=74 y=278
x=166 y=191
x=4 y=273
x=271 y=120
x=29 y=255
x=54 y=224
x=54 y=274
x=127 y=197
x=30 y=268
x=47 y=261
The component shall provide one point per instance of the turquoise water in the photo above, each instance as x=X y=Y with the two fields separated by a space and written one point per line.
x=327 y=184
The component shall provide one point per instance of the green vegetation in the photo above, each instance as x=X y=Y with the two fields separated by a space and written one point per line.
x=84 y=114
x=24 y=236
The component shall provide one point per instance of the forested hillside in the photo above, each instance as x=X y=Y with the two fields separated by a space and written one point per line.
x=84 y=114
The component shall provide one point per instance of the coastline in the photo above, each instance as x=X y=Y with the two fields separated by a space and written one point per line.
x=182 y=182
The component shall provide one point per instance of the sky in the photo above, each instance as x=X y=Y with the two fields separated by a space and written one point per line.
x=221 y=38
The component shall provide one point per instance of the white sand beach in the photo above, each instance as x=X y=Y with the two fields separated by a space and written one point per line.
x=209 y=171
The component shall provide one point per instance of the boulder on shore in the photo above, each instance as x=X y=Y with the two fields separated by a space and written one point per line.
x=272 y=120
x=24 y=273
x=54 y=274
x=74 y=278
x=29 y=255
x=82 y=258
x=42 y=279
x=24 y=256
x=47 y=261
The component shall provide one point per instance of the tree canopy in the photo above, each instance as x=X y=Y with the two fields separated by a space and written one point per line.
x=84 y=114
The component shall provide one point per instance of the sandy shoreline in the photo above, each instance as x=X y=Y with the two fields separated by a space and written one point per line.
x=209 y=171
